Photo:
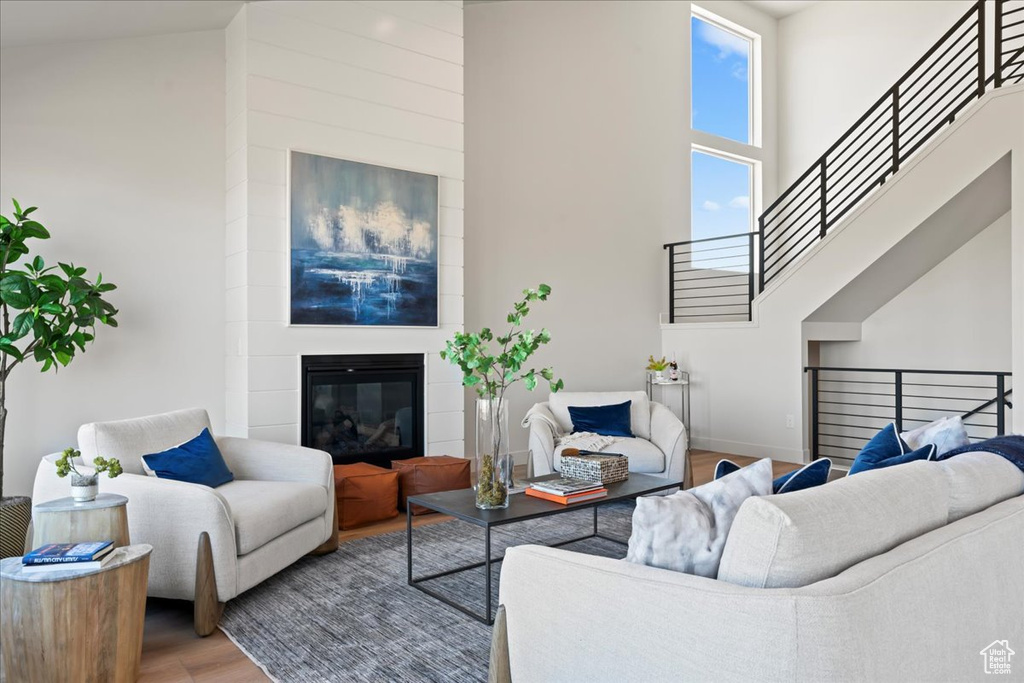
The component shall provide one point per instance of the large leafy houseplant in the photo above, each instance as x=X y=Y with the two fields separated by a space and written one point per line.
x=48 y=313
x=491 y=373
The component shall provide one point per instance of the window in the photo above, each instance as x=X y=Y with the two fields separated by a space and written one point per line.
x=720 y=85
x=725 y=154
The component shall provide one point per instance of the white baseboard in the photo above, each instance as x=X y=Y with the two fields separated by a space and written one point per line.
x=752 y=450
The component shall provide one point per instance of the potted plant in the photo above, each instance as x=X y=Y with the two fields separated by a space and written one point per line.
x=491 y=375
x=657 y=367
x=84 y=487
x=47 y=316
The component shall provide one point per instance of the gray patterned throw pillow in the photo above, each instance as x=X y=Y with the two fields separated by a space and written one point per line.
x=686 y=531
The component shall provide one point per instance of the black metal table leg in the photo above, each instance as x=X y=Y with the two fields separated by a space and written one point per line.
x=487 y=569
x=408 y=541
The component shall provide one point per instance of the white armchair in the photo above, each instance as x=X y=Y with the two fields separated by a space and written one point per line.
x=210 y=545
x=659 y=445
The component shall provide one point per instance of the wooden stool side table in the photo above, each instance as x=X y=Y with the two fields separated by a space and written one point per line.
x=75 y=625
x=66 y=521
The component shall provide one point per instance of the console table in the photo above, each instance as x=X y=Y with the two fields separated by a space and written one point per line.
x=66 y=520
x=73 y=624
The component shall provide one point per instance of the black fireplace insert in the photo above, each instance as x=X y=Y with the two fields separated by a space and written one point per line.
x=363 y=408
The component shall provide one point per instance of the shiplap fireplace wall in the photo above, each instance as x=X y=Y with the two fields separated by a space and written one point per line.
x=379 y=82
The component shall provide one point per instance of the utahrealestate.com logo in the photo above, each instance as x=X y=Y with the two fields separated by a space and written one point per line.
x=997 y=657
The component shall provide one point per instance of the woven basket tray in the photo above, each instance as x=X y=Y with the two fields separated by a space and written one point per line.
x=603 y=468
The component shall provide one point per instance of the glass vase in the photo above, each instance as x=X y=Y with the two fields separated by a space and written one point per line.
x=493 y=461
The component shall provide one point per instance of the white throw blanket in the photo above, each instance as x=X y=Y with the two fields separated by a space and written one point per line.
x=587 y=441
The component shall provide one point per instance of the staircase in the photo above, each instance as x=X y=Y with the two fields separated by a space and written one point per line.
x=717 y=280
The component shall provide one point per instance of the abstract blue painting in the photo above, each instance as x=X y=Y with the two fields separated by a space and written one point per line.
x=364 y=244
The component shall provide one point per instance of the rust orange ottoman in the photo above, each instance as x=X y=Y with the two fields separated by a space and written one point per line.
x=430 y=475
x=366 y=493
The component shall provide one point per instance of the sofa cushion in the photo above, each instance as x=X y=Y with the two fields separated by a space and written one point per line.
x=978 y=480
x=686 y=531
x=887 y=449
x=644 y=456
x=264 y=510
x=799 y=538
x=639 y=409
x=947 y=433
x=129 y=440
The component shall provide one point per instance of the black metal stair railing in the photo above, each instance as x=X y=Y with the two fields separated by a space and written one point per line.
x=711 y=279
x=927 y=98
x=850 y=405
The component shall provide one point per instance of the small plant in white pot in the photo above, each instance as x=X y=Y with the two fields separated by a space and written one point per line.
x=48 y=314
x=657 y=367
x=85 y=487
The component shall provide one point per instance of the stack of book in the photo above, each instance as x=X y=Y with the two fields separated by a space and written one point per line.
x=567 y=490
x=58 y=556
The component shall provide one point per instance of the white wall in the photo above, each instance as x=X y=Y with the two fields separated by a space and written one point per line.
x=119 y=144
x=837 y=58
x=956 y=317
x=379 y=82
x=577 y=159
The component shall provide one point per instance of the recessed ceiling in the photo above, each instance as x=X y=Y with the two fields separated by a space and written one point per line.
x=781 y=9
x=39 y=22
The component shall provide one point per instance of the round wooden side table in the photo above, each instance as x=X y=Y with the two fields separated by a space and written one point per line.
x=73 y=624
x=66 y=520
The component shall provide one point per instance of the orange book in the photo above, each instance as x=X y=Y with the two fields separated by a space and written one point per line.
x=565 y=500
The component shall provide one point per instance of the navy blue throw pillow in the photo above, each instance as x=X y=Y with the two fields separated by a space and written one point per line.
x=610 y=420
x=197 y=461
x=886 y=449
x=812 y=474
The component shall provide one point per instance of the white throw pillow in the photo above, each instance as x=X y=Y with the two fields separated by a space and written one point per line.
x=947 y=433
x=686 y=531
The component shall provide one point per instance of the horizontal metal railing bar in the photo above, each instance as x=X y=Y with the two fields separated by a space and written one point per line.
x=1014 y=74
x=796 y=237
x=853 y=203
x=711 y=296
x=870 y=417
x=795 y=256
x=858 y=393
x=881 y=112
x=990 y=387
x=1008 y=12
x=795 y=209
x=941 y=123
x=850 y=164
x=941 y=115
x=687 y=289
x=955 y=72
x=795 y=229
x=1011 y=25
x=835 y=445
x=930 y=410
x=712 y=249
x=710 y=277
x=947 y=398
x=862 y=405
x=711 y=305
x=796 y=183
x=813 y=185
x=837 y=436
x=744 y=256
x=985 y=373
x=839 y=424
x=707 y=239
x=884 y=152
x=710 y=315
x=855 y=381
x=939 y=102
x=970 y=33
x=979 y=425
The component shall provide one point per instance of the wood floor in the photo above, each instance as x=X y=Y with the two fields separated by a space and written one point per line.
x=172 y=653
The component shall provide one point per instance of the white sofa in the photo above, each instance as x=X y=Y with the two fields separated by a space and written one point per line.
x=659 y=445
x=901 y=574
x=279 y=507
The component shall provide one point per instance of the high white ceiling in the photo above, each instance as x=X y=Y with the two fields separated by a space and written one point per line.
x=42 y=22
x=781 y=8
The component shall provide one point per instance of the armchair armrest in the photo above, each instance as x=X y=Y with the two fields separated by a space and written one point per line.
x=169 y=515
x=611 y=620
x=669 y=435
x=542 y=425
x=271 y=461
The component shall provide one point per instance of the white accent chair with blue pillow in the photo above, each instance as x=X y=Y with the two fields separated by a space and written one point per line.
x=210 y=544
x=658 y=445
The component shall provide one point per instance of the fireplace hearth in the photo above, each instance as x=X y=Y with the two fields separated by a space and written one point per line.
x=363 y=408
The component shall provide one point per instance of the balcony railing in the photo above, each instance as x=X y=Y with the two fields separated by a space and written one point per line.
x=711 y=280
x=850 y=405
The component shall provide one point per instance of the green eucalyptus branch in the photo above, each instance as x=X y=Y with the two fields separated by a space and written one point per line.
x=66 y=464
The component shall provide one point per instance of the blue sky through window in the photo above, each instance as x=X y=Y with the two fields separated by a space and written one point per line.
x=721 y=201
x=720 y=73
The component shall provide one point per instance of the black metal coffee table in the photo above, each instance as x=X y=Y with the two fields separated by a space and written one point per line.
x=461 y=504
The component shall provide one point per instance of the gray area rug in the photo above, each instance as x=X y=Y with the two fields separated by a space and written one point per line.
x=350 y=616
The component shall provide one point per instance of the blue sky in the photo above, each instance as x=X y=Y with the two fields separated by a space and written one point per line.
x=720 y=106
